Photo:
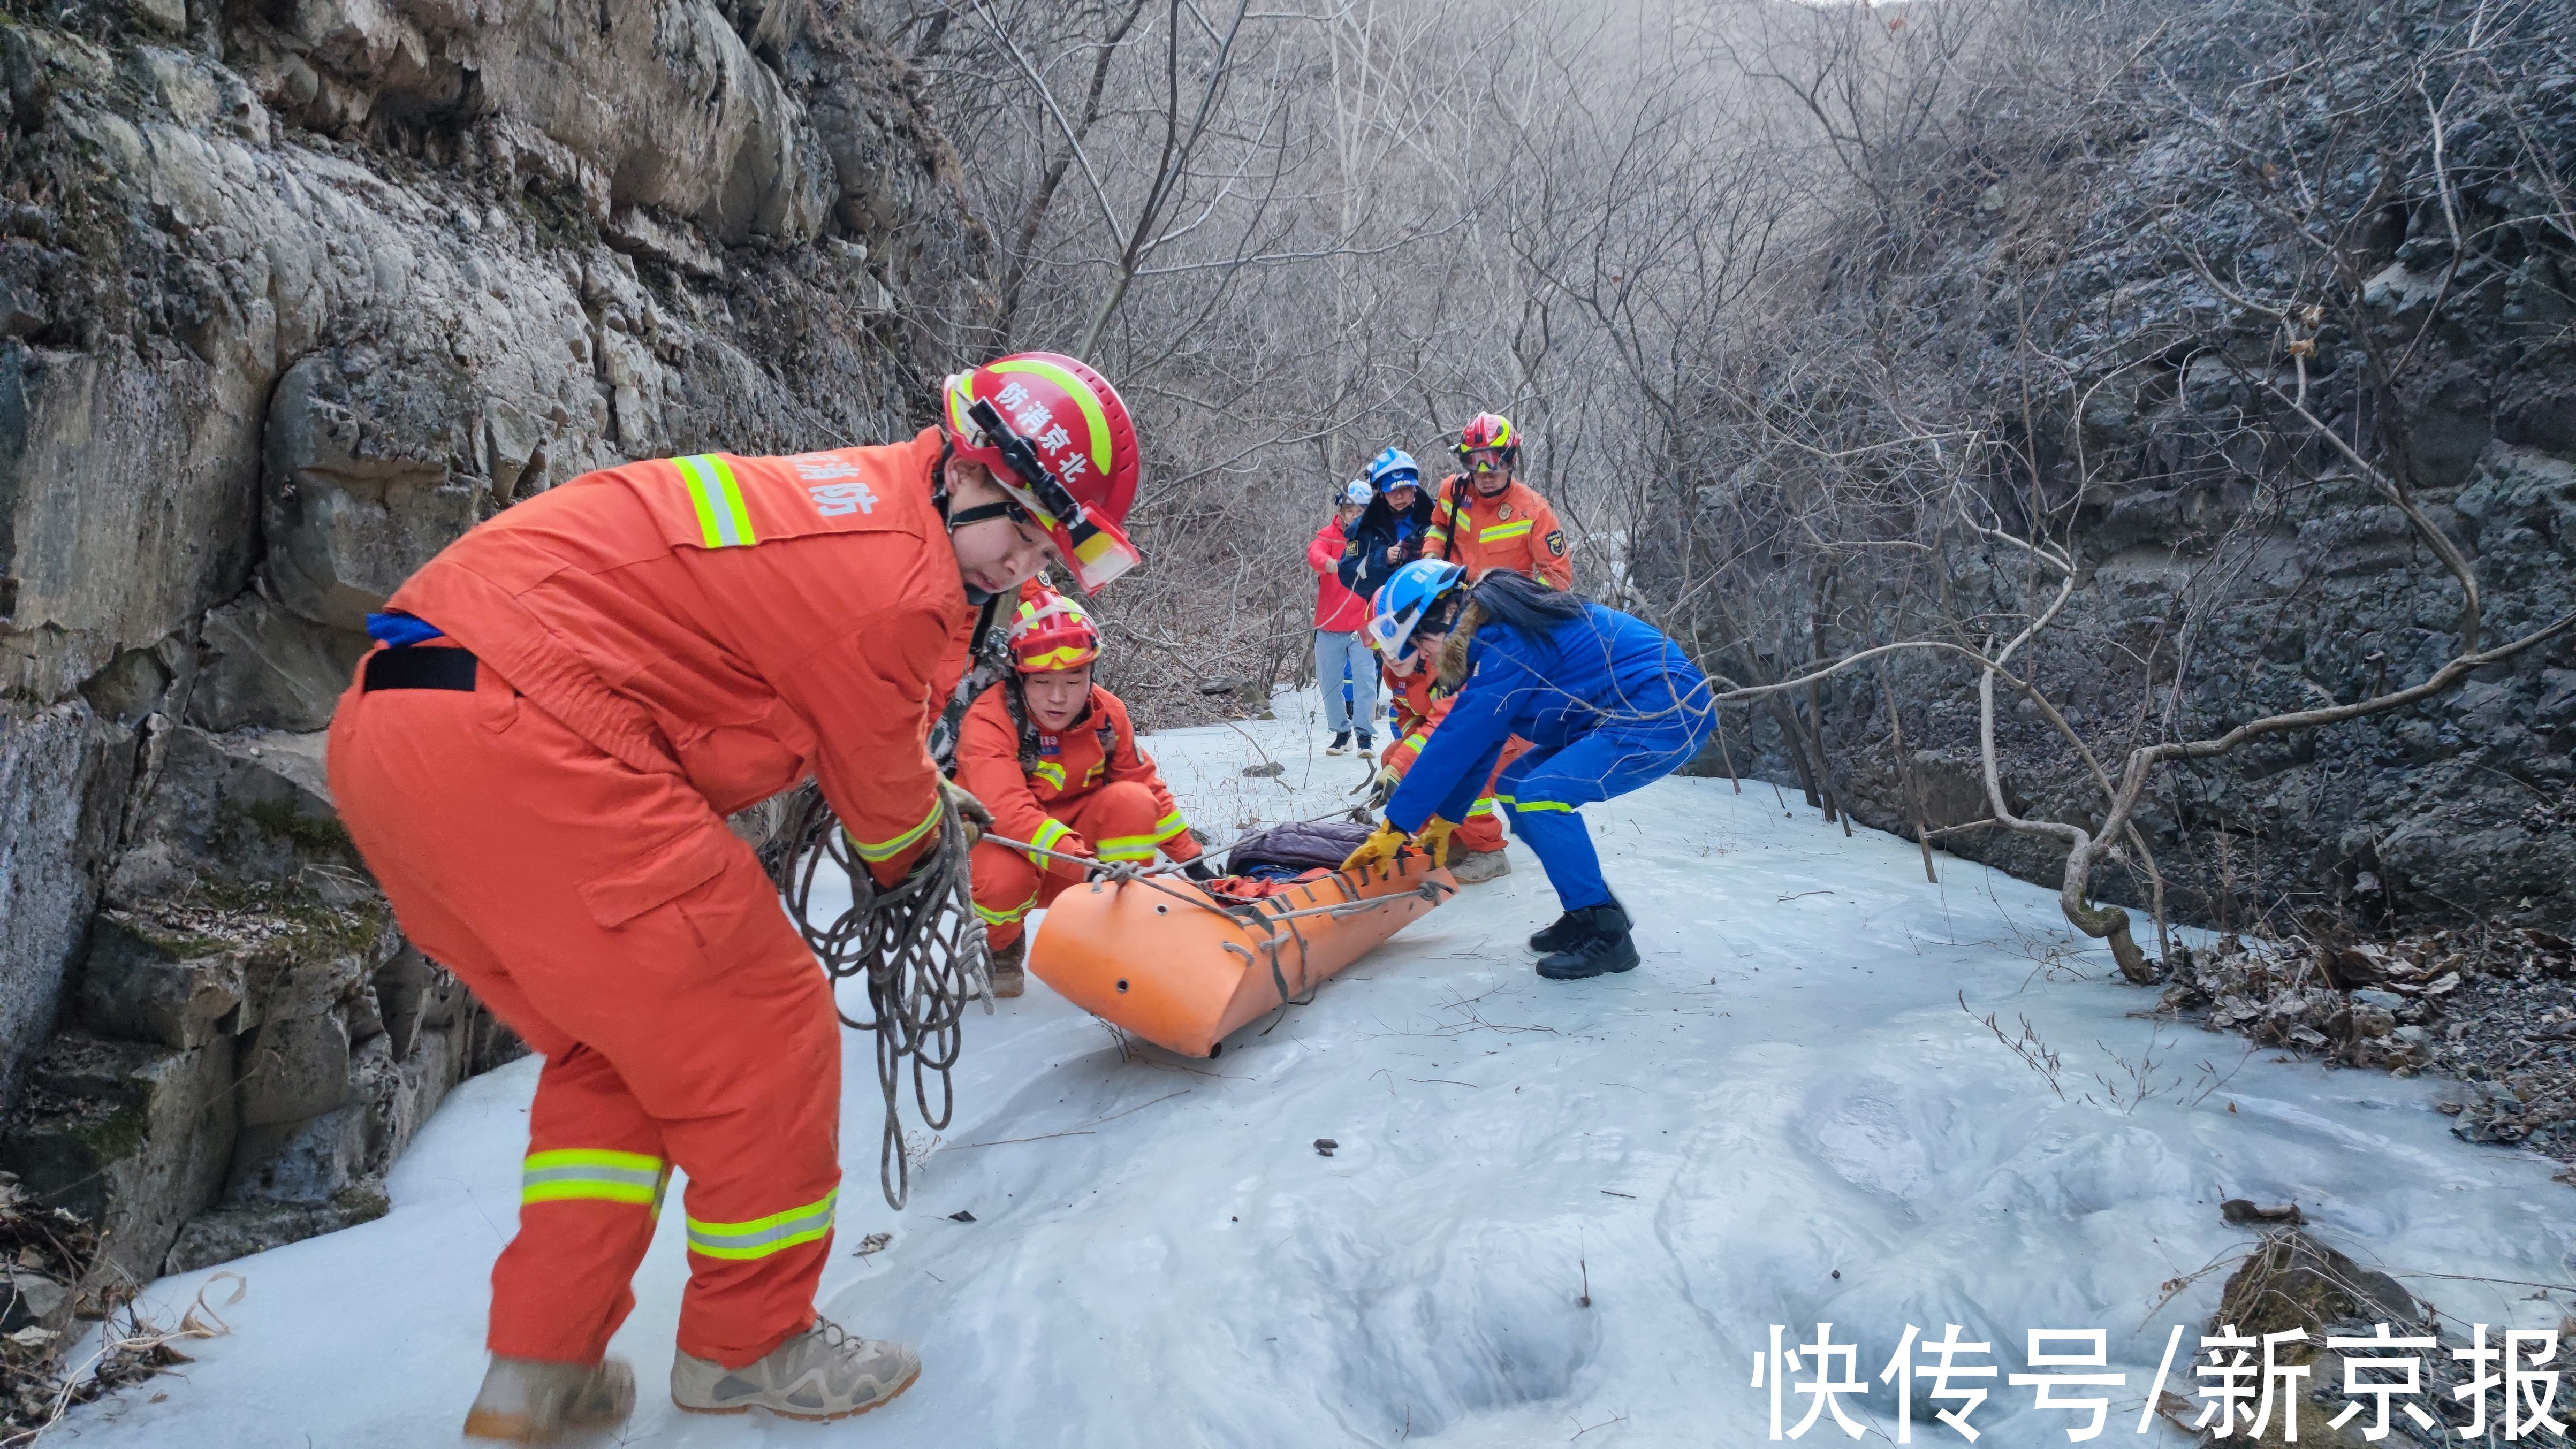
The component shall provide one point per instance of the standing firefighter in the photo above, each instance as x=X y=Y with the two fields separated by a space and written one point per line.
x=1055 y=759
x=537 y=764
x=1486 y=520
x=1607 y=703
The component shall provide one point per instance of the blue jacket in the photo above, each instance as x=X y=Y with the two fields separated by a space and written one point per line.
x=1604 y=670
x=1380 y=528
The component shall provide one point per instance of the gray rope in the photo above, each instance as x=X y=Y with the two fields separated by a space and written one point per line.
x=922 y=949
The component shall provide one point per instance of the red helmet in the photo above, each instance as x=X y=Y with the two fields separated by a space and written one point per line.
x=1051 y=632
x=1490 y=430
x=1056 y=437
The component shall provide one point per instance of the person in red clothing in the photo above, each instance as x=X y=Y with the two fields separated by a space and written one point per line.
x=1054 y=757
x=1339 y=617
x=1485 y=519
x=537 y=762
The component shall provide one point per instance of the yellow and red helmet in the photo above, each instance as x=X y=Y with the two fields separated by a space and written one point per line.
x=1057 y=438
x=1489 y=430
x=1050 y=632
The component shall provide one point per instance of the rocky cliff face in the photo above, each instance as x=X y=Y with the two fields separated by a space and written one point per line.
x=291 y=295
x=2259 y=209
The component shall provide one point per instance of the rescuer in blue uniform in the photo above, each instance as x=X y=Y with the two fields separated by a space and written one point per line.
x=1609 y=701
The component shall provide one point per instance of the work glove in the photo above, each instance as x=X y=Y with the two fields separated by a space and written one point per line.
x=970 y=811
x=1380 y=848
x=1382 y=788
x=1198 y=869
x=1433 y=839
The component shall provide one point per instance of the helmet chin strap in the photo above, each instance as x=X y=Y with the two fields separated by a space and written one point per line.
x=981 y=513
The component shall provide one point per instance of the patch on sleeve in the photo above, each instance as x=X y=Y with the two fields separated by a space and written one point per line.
x=1556 y=542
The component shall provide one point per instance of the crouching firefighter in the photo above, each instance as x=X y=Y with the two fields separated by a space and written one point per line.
x=1608 y=704
x=1055 y=759
x=1476 y=851
x=537 y=761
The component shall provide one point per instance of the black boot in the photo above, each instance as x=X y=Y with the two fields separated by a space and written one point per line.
x=1603 y=947
x=1567 y=930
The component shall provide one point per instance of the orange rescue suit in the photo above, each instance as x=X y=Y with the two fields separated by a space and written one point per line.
x=1420 y=705
x=659 y=644
x=1514 y=529
x=1087 y=791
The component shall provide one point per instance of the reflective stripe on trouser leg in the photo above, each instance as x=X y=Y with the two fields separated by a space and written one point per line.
x=1543 y=788
x=762 y=1237
x=1119 y=821
x=586 y=1214
x=1007 y=886
x=579 y=1174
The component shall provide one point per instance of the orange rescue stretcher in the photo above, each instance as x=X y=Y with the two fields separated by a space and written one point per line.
x=1184 y=969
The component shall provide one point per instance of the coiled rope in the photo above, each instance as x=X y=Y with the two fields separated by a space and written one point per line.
x=922 y=949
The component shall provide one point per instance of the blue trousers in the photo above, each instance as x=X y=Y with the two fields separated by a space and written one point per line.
x=1341 y=655
x=1541 y=790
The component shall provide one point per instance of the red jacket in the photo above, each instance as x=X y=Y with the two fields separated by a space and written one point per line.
x=1029 y=778
x=1336 y=608
x=744 y=622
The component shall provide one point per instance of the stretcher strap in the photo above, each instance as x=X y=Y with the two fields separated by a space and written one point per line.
x=920 y=945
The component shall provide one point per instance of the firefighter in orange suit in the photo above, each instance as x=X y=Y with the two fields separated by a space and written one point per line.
x=1054 y=757
x=537 y=763
x=1484 y=519
x=1476 y=849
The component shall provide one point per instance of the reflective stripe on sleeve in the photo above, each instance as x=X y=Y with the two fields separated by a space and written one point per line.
x=1483 y=806
x=1049 y=834
x=1517 y=528
x=722 y=520
x=1169 y=826
x=1526 y=806
x=1417 y=740
x=873 y=851
x=1127 y=847
x=583 y=1174
x=763 y=1236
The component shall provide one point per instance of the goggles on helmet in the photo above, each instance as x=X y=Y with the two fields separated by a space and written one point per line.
x=1040 y=499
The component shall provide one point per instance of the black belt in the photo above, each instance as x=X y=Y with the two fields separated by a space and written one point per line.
x=415 y=667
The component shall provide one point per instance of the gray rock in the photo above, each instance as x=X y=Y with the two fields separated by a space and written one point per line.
x=54 y=766
x=2388 y=1001
x=359 y=489
x=294 y=1068
x=223 y=1234
x=140 y=982
x=242 y=809
x=135 y=1138
x=264 y=666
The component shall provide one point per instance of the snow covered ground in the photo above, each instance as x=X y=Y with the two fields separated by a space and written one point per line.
x=1784 y=1116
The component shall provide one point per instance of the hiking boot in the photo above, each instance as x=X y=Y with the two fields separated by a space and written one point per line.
x=1366 y=744
x=533 y=1401
x=822 y=1373
x=1341 y=744
x=1602 y=947
x=1478 y=866
x=1566 y=930
x=1009 y=974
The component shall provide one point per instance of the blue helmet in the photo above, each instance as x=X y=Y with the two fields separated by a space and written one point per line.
x=1355 y=493
x=1409 y=595
x=1393 y=468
